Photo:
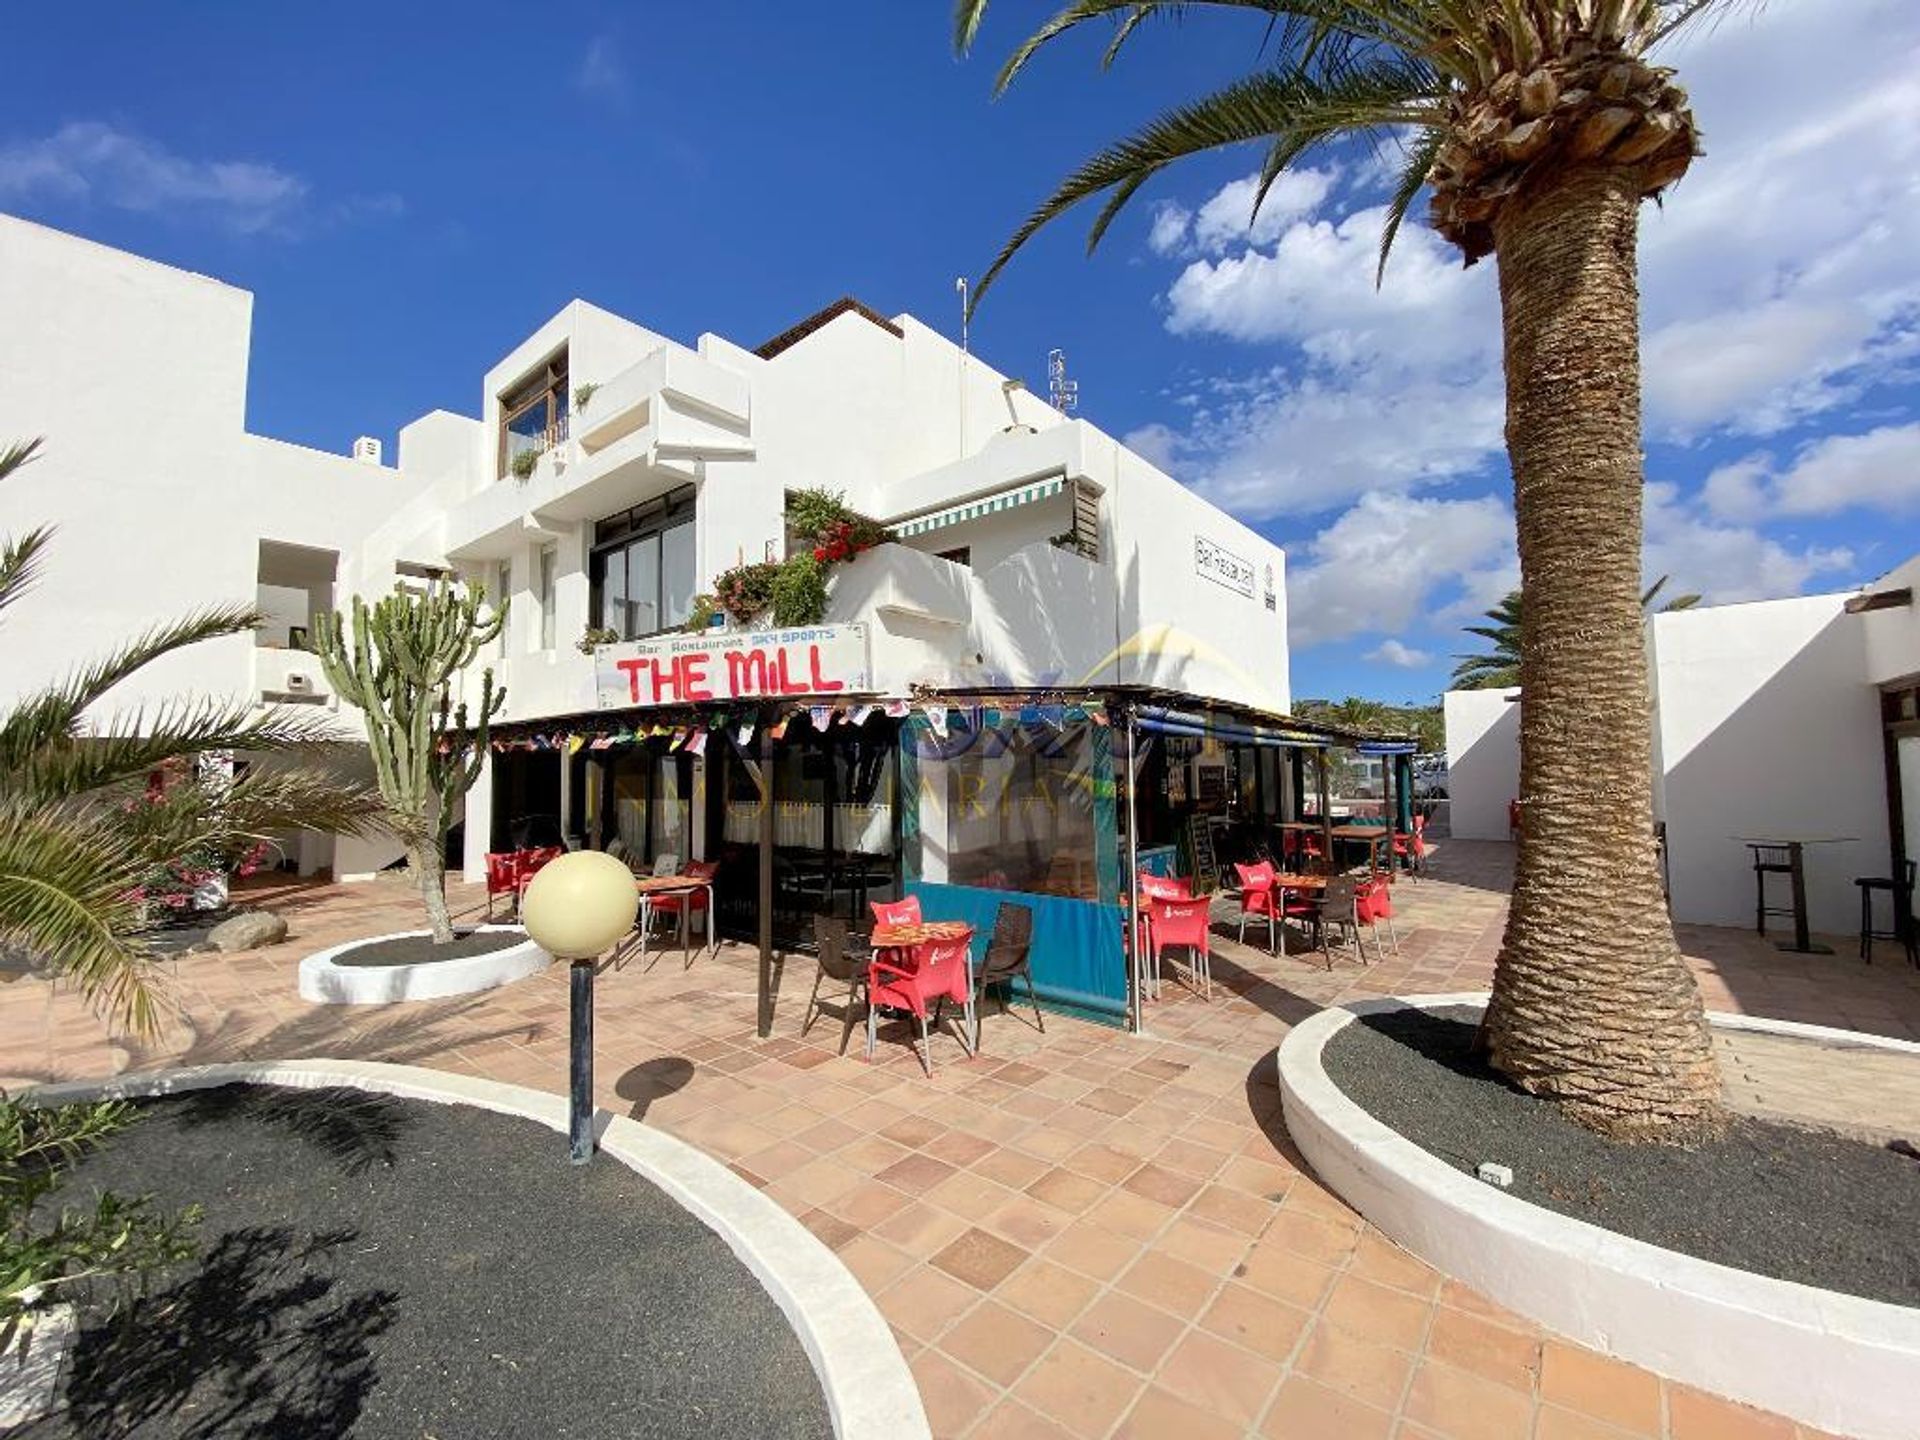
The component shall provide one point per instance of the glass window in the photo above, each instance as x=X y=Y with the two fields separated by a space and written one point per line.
x=1010 y=809
x=643 y=587
x=533 y=415
x=677 y=582
x=549 y=620
x=643 y=569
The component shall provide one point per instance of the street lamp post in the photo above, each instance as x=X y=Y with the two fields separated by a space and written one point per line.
x=576 y=909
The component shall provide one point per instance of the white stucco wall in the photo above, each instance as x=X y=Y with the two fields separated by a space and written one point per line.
x=1766 y=726
x=1483 y=761
x=1893 y=635
x=135 y=374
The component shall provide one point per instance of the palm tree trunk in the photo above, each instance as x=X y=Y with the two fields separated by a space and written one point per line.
x=1592 y=1004
x=429 y=865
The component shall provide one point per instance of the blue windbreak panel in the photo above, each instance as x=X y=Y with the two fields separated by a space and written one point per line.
x=1160 y=860
x=1078 y=960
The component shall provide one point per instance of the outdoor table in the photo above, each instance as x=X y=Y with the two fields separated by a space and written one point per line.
x=1795 y=846
x=897 y=938
x=1372 y=836
x=651 y=885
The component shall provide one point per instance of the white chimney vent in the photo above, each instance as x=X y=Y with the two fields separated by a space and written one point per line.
x=368 y=449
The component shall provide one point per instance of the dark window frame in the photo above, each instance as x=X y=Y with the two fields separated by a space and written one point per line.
x=618 y=531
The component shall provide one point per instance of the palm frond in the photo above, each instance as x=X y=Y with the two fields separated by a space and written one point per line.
x=16 y=454
x=1261 y=106
x=42 y=754
x=20 y=563
x=1413 y=175
x=68 y=883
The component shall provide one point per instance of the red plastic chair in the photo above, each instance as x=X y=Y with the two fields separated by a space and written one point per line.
x=896 y=912
x=693 y=902
x=1412 y=848
x=1258 y=897
x=1374 y=902
x=503 y=872
x=1183 y=923
x=1164 y=887
x=938 y=973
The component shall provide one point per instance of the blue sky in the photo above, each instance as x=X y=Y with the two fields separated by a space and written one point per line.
x=408 y=192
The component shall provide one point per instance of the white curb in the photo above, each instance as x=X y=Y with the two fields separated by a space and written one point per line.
x=869 y=1390
x=1839 y=1362
x=327 y=982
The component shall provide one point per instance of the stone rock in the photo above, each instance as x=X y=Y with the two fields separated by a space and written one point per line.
x=248 y=930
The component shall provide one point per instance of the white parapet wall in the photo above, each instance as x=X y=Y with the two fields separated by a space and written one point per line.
x=1483 y=761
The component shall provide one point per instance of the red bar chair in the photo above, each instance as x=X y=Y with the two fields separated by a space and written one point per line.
x=503 y=879
x=1153 y=887
x=1412 y=847
x=1374 y=900
x=939 y=973
x=896 y=912
x=690 y=903
x=1259 y=898
x=1185 y=923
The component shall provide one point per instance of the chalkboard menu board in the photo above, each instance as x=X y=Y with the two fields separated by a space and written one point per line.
x=1206 y=865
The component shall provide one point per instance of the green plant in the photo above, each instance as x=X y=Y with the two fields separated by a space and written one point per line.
x=582 y=393
x=822 y=520
x=397 y=664
x=700 y=616
x=800 y=591
x=746 y=590
x=118 y=1239
x=523 y=462
x=79 y=841
x=595 y=636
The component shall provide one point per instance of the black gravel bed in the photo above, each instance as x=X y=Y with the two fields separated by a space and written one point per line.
x=1781 y=1200
x=379 y=1268
x=420 y=949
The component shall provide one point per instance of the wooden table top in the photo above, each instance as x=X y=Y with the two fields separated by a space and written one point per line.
x=658 y=884
x=1300 y=882
x=901 y=937
x=1359 y=832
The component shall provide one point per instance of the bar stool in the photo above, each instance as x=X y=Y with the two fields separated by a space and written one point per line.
x=1768 y=860
x=1901 y=891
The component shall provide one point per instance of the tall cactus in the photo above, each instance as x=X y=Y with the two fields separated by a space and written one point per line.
x=397 y=663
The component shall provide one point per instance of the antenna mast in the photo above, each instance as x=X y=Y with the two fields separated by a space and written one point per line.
x=1062 y=393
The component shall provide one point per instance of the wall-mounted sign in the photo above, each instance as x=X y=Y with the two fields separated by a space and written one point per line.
x=1223 y=567
x=1272 y=596
x=748 y=665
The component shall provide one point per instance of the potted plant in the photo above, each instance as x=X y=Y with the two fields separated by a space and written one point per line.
x=522 y=464
x=594 y=637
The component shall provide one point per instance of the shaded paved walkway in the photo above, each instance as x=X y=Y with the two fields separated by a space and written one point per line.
x=1078 y=1234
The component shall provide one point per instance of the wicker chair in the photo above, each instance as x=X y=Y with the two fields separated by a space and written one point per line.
x=841 y=958
x=1007 y=960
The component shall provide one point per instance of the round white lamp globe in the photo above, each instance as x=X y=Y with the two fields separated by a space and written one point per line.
x=580 y=904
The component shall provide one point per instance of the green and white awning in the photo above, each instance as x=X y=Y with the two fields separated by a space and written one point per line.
x=974 y=509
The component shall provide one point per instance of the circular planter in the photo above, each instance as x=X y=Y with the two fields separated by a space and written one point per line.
x=324 y=980
x=869 y=1390
x=1839 y=1362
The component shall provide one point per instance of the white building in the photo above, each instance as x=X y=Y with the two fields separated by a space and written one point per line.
x=1788 y=719
x=1039 y=561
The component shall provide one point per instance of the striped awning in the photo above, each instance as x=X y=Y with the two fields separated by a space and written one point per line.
x=986 y=505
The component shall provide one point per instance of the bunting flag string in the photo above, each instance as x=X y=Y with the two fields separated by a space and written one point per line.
x=697 y=743
x=822 y=716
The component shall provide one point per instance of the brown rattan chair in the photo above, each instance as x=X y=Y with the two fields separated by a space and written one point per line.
x=841 y=958
x=1006 y=961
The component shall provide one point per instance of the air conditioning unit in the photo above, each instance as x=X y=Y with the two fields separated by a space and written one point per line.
x=298 y=683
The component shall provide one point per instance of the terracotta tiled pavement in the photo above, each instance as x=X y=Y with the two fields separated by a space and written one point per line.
x=1078 y=1234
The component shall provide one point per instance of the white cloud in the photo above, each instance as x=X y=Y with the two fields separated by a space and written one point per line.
x=602 y=71
x=1878 y=469
x=88 y=160
x=1392 y=560
x=1392 y=652
x=1226 y=221
x=1778 y=282
x=1169 y=232
x=1725 y=562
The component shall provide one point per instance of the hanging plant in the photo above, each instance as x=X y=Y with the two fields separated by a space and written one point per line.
x=523 y=463
x=582 y=394
x=800 y=591
x=745 y=590
x=821 y=520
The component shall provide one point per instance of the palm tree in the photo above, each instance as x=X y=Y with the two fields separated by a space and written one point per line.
x=1500 y=670
x=78 y=840
x=1539 y=127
